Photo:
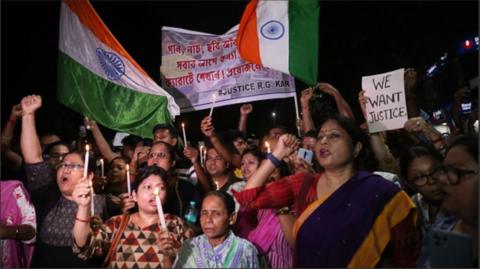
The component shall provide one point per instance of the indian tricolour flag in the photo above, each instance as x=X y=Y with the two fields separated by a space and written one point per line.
x=282 y=35
x=99 y=79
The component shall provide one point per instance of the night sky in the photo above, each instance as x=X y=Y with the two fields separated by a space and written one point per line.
x=356 y=38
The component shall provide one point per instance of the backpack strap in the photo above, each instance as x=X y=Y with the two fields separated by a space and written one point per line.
x=116 y=239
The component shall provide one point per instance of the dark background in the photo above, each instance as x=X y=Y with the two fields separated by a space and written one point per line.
x=356 y=38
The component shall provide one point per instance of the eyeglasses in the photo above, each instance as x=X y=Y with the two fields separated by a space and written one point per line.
x=455 y=174
x=160 y=155
x=436 y=173
x=71 y=166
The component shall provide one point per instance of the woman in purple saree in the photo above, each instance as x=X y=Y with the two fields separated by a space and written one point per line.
x=346 y=217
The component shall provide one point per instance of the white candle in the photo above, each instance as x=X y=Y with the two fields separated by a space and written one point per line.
x=160 y=209
x=200 y=151
x=101 y=168
x=267 y=146
x=184 y=134
x=92 y=194
x=214 y=98
x=204 y=155
x=296 y=106
x=85 y=163
x=128 y=179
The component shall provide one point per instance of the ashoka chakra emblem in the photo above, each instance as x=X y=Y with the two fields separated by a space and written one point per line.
x=112 y=65
x=272 y=30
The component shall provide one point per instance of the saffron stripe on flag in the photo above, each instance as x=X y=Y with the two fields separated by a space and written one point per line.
x=247 y=39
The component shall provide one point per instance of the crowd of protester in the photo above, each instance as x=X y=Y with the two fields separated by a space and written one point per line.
x=363 y=200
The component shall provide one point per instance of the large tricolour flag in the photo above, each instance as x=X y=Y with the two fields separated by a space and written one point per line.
x=99 y=79
x=282 y=35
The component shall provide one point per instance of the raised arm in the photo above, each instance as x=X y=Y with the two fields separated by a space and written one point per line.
x=286 y=144
x=418 y=124
x=410 y=80
x=14 y=160
x=342 y=105
x=102 y=144
x=209 y=131
x=203 y=180
x=245 y=109
x=29 y=142
x=384 y=157
x=307 y=121
x=81 y=196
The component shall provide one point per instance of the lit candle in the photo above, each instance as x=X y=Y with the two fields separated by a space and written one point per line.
x=101 y=168
x=92 y=194
x=267 y=146
x=184 y=134
x=160 y=209
x=202 y=159
x=85 y=163
x=204 y=155
x=216 y=186
x=128 y=179
x=214 y=98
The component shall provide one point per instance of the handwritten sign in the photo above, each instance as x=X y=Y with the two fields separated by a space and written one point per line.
x=196 y=65
x=386 y=107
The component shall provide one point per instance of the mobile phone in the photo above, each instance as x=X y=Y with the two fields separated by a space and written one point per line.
x=466 y=108
x=449 y=249
x=305 y=154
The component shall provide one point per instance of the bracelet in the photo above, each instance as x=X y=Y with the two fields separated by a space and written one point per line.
x=283 y=211
x=276 y=162
x=81 y=220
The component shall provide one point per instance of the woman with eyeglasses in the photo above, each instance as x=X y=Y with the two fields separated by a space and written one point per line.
x=460 y=186
x=421 y=168
x=51 y=193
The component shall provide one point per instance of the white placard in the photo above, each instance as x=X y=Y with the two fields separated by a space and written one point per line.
x=386 y=106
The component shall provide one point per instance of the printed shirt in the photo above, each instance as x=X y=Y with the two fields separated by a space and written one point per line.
x=234 y=252
x=56 y=226
x=137 y=247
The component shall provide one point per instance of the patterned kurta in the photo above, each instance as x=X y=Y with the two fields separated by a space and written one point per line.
x=234 y=252
x=138 y=247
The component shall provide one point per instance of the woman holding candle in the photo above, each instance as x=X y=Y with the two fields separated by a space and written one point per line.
x=52 y=195
x=144 y=243
x=218 y=247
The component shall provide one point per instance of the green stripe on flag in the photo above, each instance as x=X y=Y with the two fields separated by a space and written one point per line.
x=303 y=18
x=113 y=106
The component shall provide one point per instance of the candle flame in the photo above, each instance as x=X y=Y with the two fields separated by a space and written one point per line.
x=214 y=96
x=156 y=191
x=87 y=147
x=101 y=161
x=90 y=184
x=183 y=125
x=128 y=167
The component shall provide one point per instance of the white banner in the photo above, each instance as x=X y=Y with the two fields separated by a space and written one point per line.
x=386 y=106
x=197 y=65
